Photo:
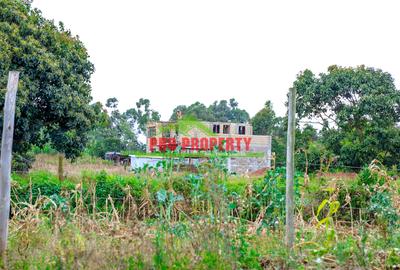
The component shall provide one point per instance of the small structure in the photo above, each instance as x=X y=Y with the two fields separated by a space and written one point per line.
x=118 y=158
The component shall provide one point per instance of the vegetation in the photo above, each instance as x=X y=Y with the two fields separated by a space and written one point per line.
x=347 y=117
x=359 y=109
x=54 y=95
x=116 y=131
x=195 y=155
x=222 y=111
x=98 y=215
x=166 y=219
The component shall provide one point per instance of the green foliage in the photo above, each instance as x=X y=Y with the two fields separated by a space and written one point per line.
x=36 y=184
x=222 y=111
x=54 y=90
x=345 y=249
x=118 y=132
x=268 y=200
x=368 y=178
x=358 y=108
x=370 y=196
x=311 y=154
x=381 y=206
x=184 y=125
x=327 y=221
x=187 y=226
x=45 y=149
x=265 y=121
x=22 y=162
x=247 y=256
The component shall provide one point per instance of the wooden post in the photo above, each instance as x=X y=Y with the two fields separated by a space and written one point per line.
x=60 y=167
x=6 y=151
x=290 y=170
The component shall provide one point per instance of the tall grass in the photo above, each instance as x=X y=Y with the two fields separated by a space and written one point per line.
x=161 y=219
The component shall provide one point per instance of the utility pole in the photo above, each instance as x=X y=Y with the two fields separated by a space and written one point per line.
x=290 y=169
x=6 y=151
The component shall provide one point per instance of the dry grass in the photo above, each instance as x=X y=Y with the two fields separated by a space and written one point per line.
x=46 y=162
x=338 y=175
x=152 y=233
x=77 y=239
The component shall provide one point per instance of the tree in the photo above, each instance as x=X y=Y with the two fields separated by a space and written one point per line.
x=265 y=121
x=53 y=103
x=358 y=109
x=116 y=131
x=222 y=111
x=311 y=153
x=139 y=117
x=197 y=110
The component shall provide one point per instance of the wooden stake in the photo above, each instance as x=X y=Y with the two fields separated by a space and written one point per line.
x=60 y=167
x=6 y=152
x=290 y=234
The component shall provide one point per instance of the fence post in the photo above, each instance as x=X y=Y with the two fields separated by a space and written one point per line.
x=60 y=167
x=290 y=234
x=6 y=151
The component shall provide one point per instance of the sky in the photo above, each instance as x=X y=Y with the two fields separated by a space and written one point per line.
x=176 y=52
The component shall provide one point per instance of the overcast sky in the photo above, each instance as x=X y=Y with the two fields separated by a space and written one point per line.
x=178 y=52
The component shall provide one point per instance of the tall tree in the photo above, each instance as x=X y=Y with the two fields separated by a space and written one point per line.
x=139 y=117
x=197 y=110
x=116 y=131
x=265 y=121
x=358 y=108
x=53 y=103
x=222 y=111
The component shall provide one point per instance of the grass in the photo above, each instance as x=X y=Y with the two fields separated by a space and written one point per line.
x=49 y=162
x=59 y=240
x=207 y=220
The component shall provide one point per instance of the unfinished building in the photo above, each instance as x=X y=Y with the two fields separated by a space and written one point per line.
x=164 y=134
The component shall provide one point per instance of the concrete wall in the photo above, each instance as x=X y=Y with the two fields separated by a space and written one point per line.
x=245 y=165
x=139 y=162
x=238 y=165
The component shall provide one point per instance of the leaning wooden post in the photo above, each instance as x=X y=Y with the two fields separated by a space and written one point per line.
x=6 y=149
x=290 y=170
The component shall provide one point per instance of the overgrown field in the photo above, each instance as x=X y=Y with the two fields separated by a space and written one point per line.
x=164 y=219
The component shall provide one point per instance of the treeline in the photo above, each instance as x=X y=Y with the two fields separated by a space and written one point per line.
x=221 y=111
x=119 y=131
x=346 y=117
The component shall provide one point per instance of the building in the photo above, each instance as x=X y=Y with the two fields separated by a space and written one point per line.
x=163 y=134
x=224 y=130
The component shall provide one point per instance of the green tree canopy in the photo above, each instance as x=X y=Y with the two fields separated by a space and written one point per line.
x=116 y=131
x=359 y=109
x=221 y=111
x=53 y=102
x=265 y=121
